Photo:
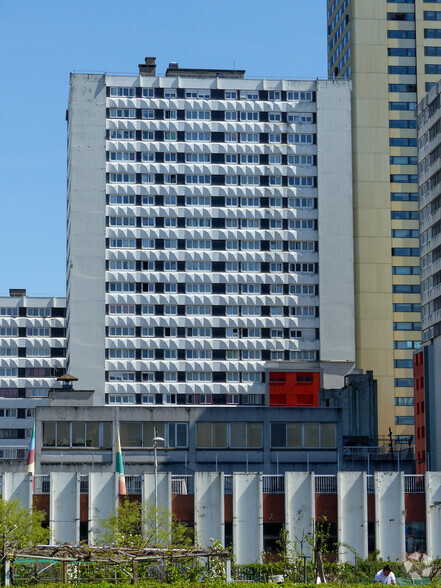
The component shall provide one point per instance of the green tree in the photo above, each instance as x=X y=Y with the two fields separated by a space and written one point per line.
x=19 y=528
x=143 y=525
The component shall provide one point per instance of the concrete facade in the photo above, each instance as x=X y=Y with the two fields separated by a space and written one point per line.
x=195 y=211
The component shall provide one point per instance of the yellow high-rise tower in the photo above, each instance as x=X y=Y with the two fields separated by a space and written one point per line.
x=391 y=50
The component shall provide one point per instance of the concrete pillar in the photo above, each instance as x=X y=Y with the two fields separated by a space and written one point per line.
x=103 y=502
x=390 y=521
x=64 y=507
x=300 y=510
x=163 y=517
x=352 y=515
x=18 y=486
x=433 y=514
x=247 y=518
x=209 y=512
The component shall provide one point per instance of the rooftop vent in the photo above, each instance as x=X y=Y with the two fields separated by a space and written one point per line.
x=148 y=68
x=17 y=292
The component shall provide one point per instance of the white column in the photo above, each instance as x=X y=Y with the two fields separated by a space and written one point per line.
x=209 y=511
x=390 y=515
x=300 y=509
x=64 y=507
x=433 y=514
x=103 y=502
x=164 y=514
x=247 y=518
x=18 y=486
x=352 y=515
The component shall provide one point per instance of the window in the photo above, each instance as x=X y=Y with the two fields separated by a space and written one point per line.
x=121 y=199
x=170 y=376
x=404 y=420
x=231 y=137
x=249 y=116
x=148 y=331
x=197 y=157
x=198 y=377
x=403 y=382
x=301 y=181
x=231 y=266
x=299 y=435
x=170 y=157
x=170 y=266
x=198 y=354
x=121 y=353
x=230 y=158
x=170 y=135
x=249 y=159
x=197 y=244
x=147 y=92
x=404 y=401
x=250 y=224
x=275 y=159
x=230 y=115
x=122 y=178
x=276 y=289
x=169 y=222
x=170 y=309
x=123 y=92
x=249 y=95
x=38 y=332
x=148 y=178
x=122 y=113
x=246 y=434
x=251 y=354
x=170 y=353
x=231 y=94
x=250 y=245
x=170 y=93
x=148 y=243
x=275 y=117
x=197 y=136
x=148 y=113
x=275 y=180
x=197 y=115
x=122 y=134
x=121 y=309
x=201 y=94
x=170 y=244
x=198 y=310
x=123 y=155
x=198 y=266
x=232 y=354
x=121 y=376
x=297 y=117
x=198 y=288
x=148 y=309
x=78 y=434
x=198 y=332
x=189 y=179
x=231 y=180
x=275 y=202
x=250 y=180
x=9 y=372
x=299 y=96
x=275 y=137
x=250 y=289
x=250 y=267
x=250 y=311
x=249 y=137
x=211 y=435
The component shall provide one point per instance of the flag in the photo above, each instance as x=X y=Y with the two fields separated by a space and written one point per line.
x=122 y=490
x=31 y=454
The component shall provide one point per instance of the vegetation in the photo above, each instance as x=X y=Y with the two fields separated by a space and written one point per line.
x=144 y=525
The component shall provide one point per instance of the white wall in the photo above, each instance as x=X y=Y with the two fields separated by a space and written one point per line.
x=209 y=509
x=64 y=508
x=433 y=514
x=103 y=501
x=390 y=515
x=300 y=509
x=86 y=209
x=352 y=515
x=335 y=222
x=18 y=486
x=247 y=518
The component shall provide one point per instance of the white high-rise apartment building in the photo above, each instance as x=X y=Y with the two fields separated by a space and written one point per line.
x=209 y=234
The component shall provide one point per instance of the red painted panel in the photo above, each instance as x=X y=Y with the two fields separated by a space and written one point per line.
x=273 y=508
x=415 y=505
x=183 y=507
x=294 y=388
x=228 y=506
x=326 y=506
x=371 y=508
x=419 y=409
x=84 y=507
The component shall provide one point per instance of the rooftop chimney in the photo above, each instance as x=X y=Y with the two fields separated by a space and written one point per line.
x=17 y=292
x=148 y=68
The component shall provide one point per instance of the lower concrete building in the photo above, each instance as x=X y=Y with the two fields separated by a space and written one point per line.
x=389 y=511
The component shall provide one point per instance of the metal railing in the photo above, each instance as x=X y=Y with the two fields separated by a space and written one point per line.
x=325 y=484
x=7 y=453
x=182 y=485
x=42 y=484
x=84 y=484
x=133 y=484
x=273 y=484
x=414 y=484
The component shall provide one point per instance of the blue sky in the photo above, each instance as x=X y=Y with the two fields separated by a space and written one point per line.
x=42 y=41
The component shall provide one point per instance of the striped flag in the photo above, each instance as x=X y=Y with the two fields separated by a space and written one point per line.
x=122 y=490
x=31 y=453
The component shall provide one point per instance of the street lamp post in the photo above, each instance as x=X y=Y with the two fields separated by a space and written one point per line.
x=156 y=440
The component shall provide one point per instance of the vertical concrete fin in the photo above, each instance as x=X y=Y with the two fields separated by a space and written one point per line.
x=209 y=509
x=300 y=510
x=390 y=524
x=247 y=517
x=64 y=507
x=18 y=486
x=164 y=500
x=433 y=514
x=103 y=501
x=352 y=516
